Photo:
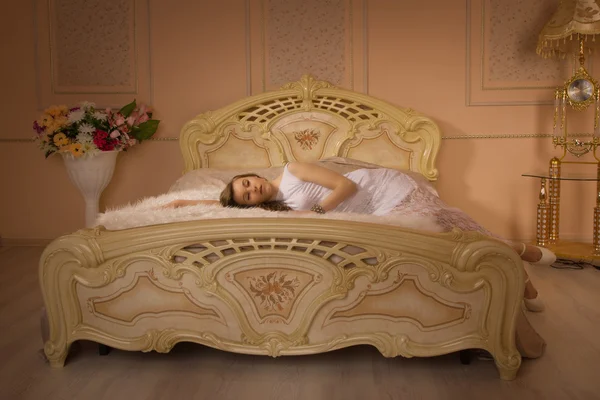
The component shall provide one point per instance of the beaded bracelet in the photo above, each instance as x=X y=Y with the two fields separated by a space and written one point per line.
x=318 y=209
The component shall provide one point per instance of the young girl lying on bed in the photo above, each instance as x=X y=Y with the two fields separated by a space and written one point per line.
x=308 y=188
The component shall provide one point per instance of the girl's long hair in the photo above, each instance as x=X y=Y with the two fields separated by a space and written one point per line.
x=227 y=200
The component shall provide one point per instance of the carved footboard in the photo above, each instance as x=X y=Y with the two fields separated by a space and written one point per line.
x=283 y=287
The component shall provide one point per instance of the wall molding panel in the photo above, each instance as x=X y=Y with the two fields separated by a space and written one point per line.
x=502 y=67
x=280 y=34
x=92 y=50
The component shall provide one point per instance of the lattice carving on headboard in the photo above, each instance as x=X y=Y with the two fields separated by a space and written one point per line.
x=264 y=112
x=309 y=120
x=351 y=110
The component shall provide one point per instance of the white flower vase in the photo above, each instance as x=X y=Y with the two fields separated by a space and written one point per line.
x=91 y=174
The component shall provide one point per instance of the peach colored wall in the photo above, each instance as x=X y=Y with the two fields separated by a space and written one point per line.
x=195 y=56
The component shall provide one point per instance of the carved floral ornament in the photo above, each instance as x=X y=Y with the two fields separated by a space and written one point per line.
x=307 y=138
x=274 y=290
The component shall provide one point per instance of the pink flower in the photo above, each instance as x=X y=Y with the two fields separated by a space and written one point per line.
x=119 y=120
x=130 y=120
x=115 y=134
x=135 y=114
x=143 y=118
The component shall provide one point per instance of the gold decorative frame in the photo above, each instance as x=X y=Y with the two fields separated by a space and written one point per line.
x=329 y=283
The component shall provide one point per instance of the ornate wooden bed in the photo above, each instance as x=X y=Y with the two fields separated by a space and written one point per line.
x=289 y=286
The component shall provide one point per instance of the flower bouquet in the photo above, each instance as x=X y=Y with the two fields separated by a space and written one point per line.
x=86 y=130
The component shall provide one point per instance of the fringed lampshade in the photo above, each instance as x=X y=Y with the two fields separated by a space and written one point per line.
x=573 y=21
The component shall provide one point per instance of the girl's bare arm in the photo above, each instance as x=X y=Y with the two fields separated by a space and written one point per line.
x=341 y=187
x=185 y=203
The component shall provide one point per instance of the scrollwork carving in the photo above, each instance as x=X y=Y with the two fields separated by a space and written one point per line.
x=307 y=86
x=275 y=343
x=203 y=128
x=163 y=341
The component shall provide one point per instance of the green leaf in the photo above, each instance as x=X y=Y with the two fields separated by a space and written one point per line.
x=70 y=131
x=128 y=109
x=145 y=130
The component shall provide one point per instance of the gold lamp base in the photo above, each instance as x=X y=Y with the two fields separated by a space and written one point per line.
x=548 y=214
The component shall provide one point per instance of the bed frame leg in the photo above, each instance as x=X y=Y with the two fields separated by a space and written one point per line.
x=103 y=349
x=465 y=357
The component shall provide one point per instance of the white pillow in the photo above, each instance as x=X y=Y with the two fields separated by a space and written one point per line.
x=198 y=178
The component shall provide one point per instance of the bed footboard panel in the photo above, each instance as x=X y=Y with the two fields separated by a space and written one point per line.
x=286 y=288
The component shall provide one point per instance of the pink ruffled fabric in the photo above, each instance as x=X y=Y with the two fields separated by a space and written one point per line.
x=423 y=202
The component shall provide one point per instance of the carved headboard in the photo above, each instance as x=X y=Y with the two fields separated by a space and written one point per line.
x=310 y=120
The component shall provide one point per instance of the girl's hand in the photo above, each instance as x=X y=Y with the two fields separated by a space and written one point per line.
x=185 y=203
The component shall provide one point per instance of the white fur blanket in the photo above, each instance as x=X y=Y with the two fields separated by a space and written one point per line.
x=148 y=211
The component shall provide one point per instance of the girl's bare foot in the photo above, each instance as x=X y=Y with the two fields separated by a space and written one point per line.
x=530 y=290
x=535 y=255
x=531 y=254
x=531 y=299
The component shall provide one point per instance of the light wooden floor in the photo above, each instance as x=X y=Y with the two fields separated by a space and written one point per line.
x=570 y=369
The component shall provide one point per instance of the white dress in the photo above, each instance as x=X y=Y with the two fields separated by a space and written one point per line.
x=381 y=191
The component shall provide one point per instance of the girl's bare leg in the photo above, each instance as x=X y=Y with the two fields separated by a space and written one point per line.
x=529 y=254
x=530 y=290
